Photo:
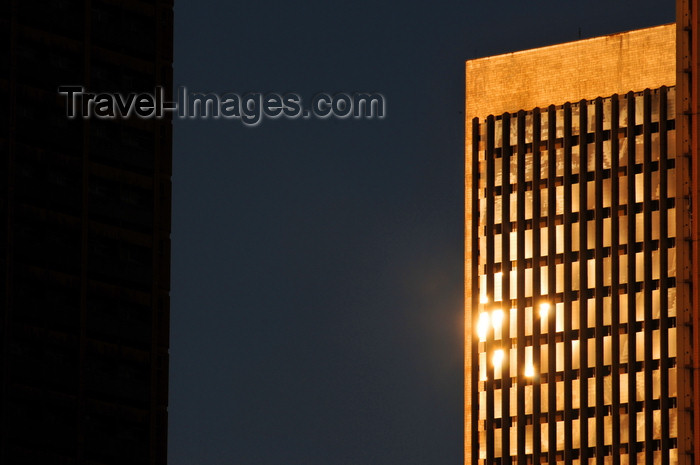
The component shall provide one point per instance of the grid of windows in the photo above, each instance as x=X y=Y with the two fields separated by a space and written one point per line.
x=574 y=352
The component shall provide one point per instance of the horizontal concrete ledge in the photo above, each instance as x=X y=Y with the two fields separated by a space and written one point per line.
x=568 y=72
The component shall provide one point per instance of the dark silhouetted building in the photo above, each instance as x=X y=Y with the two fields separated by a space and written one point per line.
x=579 y=283
x=85 y=236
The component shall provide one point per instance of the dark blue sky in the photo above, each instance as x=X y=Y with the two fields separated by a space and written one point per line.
x=317 y=264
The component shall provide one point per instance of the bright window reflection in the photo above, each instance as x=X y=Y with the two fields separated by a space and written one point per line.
x=482 y=326
x=497 y=319
x=498 y=356
x=529 y=370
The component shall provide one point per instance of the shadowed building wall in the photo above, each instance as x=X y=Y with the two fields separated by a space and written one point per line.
x=577 y=339
x=85 y=237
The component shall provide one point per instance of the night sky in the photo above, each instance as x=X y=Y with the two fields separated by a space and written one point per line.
x=317 y=265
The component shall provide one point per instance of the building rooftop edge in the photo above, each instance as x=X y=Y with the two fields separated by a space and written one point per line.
x=569 y=43
x=567 y=72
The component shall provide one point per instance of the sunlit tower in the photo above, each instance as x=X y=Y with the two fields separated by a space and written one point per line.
x=580 y=303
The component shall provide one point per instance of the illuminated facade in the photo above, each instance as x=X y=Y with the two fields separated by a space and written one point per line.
x=578 y=342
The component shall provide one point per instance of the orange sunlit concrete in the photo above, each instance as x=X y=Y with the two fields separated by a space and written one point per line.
x=575 y=222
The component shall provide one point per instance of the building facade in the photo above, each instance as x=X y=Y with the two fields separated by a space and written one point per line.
x=85 y=236
x=579 y=341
